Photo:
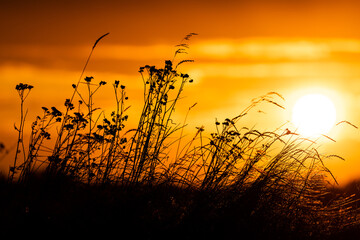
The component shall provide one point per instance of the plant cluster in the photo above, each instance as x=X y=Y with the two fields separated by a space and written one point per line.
x=274 y=174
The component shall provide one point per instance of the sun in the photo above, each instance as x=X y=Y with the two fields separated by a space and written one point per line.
x=313 y=115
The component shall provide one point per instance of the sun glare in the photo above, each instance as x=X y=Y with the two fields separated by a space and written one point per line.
x=313 y=115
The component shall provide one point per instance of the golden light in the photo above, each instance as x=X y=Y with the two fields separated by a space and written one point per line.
x=313 y=115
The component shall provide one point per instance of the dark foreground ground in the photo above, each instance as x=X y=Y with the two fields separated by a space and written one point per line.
x=63 y=208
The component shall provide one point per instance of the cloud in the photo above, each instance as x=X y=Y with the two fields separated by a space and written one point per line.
x=247 y=51
x=276 y=49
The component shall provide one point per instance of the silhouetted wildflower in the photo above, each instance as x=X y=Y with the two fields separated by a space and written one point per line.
x=168 y=65
x=68 y=126
x=45 y=134
x=184 y=75
x=106 y=121
x=88 y=79
x=55 y=112
x=68 y=104
x=22 y=86
x=200 y=129
x=152 y=70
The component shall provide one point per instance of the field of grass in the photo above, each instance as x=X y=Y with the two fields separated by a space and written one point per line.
x=82 y=171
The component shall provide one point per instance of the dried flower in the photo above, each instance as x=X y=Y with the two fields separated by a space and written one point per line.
x=55 y=112
x=88 y=79
x=22 y=86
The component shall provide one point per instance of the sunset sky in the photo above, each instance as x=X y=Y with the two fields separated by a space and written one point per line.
x=244 y=49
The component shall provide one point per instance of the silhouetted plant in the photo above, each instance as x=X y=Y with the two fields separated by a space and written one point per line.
x=23 y=91
x=271 y=174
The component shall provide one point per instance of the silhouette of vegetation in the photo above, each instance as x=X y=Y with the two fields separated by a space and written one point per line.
x=82 y=169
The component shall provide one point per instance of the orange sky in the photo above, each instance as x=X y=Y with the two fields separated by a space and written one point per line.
x=244 y=49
